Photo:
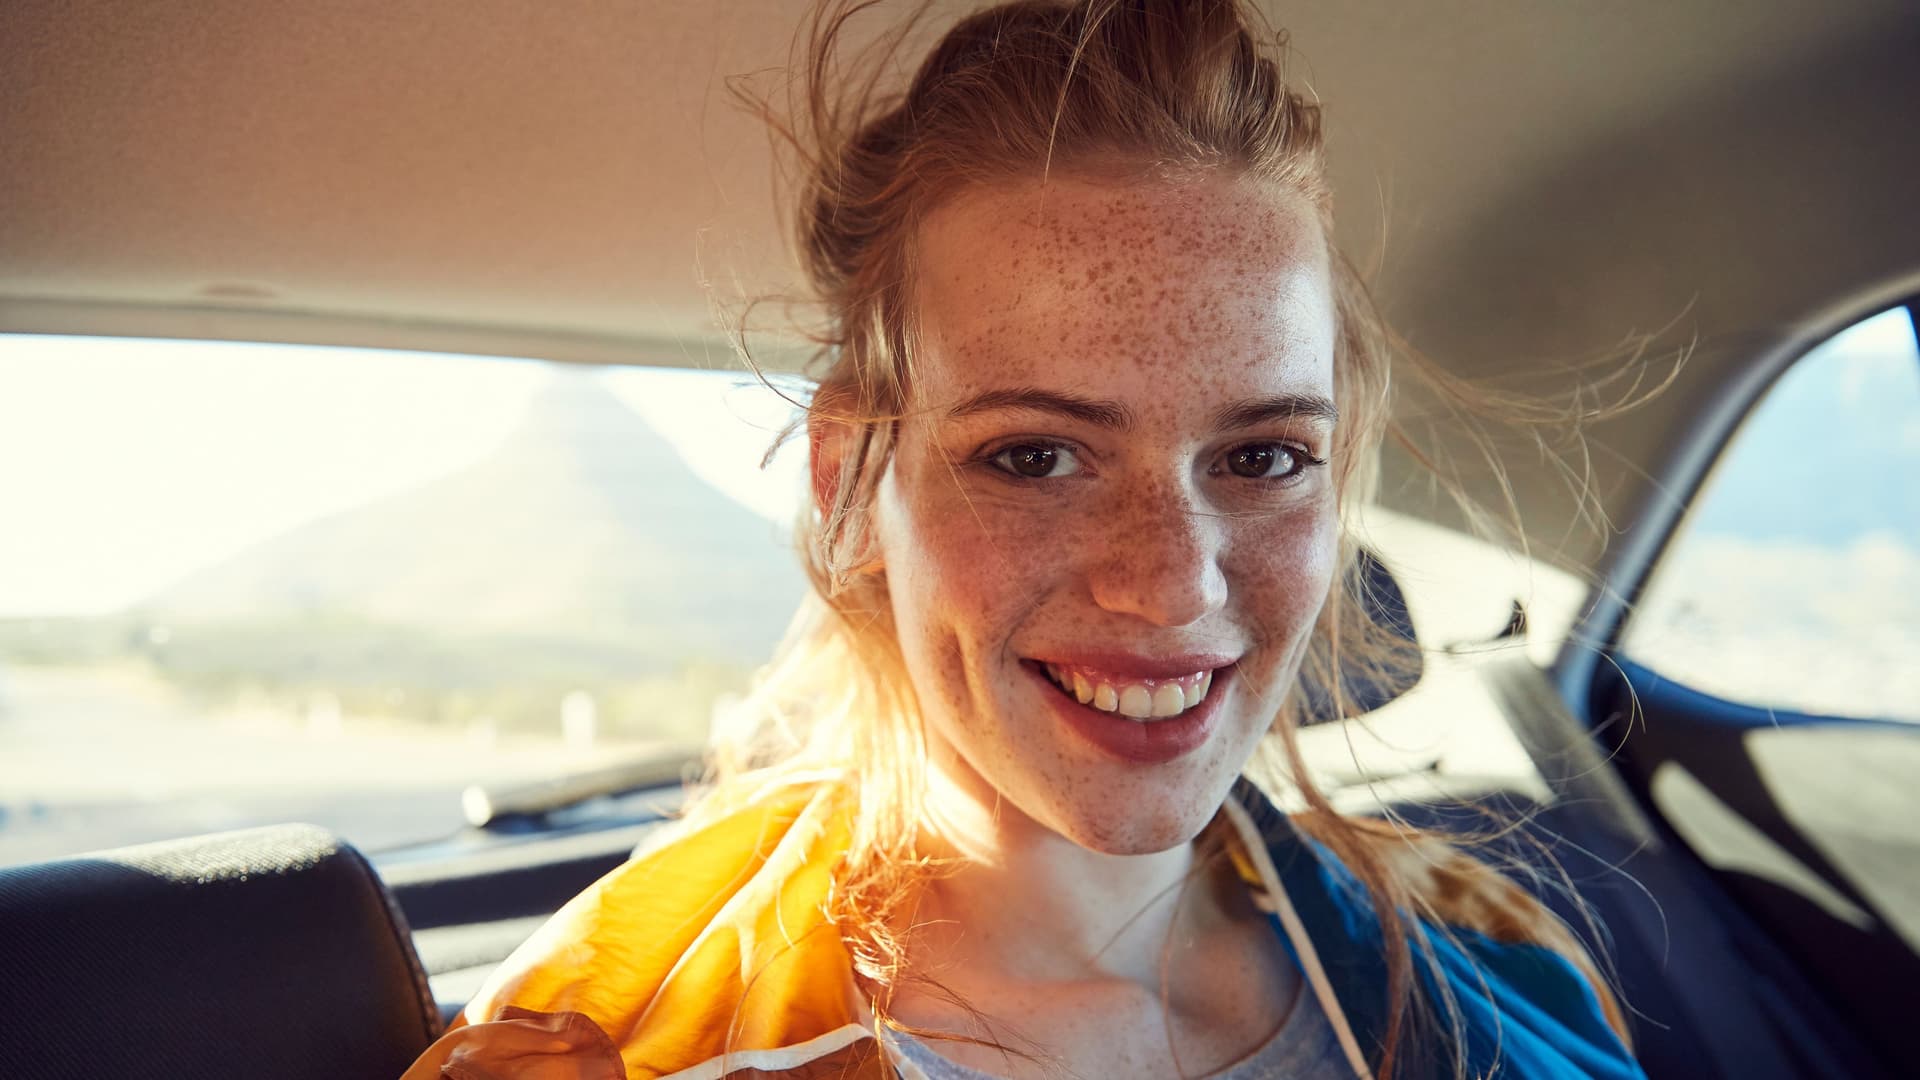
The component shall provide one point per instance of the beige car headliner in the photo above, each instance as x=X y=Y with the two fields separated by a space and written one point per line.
x=564 y=180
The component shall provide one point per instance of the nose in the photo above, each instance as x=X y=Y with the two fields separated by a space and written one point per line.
x=1160 y=560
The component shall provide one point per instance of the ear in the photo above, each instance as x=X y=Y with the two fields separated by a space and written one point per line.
x=826 y=452
x=828 y=442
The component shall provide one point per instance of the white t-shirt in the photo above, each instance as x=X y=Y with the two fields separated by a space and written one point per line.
x=1304 y=1048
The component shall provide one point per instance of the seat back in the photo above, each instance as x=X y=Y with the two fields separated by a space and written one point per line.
x=265 y=952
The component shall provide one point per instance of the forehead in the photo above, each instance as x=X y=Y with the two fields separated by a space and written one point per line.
x=1212 y=282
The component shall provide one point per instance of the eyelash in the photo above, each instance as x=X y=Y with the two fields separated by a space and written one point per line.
x=991 y=458
x=1303 y=458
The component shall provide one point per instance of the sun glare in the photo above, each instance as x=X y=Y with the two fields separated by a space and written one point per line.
x=126 y=464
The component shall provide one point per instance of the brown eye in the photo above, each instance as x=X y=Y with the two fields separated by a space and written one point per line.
x=1263 y=461
x=1037 y=461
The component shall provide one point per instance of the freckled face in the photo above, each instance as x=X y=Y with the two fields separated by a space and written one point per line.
x=1114 y=461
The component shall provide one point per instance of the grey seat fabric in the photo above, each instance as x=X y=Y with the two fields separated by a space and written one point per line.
x=270 y=952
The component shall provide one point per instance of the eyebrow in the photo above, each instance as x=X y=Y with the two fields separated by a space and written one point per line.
x=1276 y=407
x=1112 y=414
x=1107 y=414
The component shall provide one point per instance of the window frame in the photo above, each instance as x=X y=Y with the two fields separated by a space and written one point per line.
x=1725 y=709
x=1625 y=573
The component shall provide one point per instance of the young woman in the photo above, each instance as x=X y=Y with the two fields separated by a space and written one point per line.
x=1098 y=400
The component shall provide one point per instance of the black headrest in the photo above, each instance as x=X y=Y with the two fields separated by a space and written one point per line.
x=1365 y=690
x=269 y=952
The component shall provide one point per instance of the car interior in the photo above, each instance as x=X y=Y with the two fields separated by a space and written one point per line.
x=1695 y=715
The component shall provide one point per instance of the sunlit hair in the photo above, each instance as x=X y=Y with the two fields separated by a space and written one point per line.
x=1099 y=88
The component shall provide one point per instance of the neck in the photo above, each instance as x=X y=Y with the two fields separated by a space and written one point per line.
x=1027 y=903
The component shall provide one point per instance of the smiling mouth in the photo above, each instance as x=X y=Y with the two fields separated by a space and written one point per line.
x=1140 y=699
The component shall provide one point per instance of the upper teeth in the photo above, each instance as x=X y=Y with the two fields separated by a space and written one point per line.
x=1141 y=699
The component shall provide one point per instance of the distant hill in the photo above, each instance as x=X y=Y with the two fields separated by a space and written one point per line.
x=583 y=526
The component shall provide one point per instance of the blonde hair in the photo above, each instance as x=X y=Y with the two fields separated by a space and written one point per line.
x=1011 y=92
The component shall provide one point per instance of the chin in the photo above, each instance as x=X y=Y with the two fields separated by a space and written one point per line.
x=1149 y=824
x=1150 y=840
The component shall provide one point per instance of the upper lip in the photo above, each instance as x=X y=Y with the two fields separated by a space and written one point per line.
x=1136 y=665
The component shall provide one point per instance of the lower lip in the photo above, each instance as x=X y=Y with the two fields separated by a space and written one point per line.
x=1141 y=742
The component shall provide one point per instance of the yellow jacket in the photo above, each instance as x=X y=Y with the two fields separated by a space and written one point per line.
x=648 y=972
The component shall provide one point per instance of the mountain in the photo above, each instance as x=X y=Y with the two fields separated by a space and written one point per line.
x=583 y=525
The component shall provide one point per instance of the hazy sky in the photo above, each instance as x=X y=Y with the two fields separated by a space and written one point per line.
x=125 y=463
x=1832 y=453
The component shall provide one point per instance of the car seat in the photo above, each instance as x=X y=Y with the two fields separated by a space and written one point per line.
x=265 y=952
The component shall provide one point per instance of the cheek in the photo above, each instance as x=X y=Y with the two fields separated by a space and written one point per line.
x=1279 y=573
x=961 y=573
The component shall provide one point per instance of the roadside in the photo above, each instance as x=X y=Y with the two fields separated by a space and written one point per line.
x=90 y=760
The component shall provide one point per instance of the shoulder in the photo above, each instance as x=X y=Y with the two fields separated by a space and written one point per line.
x=1499 y=974
x=713 y=944
x=1528 y=993
x=1454 y=889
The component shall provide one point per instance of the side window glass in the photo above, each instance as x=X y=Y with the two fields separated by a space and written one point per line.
x=1794 y=583
x=244 y=583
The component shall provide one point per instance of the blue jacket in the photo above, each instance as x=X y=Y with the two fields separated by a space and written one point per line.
x=1526 y=1011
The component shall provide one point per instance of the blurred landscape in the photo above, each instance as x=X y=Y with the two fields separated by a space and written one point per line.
x=574 y=597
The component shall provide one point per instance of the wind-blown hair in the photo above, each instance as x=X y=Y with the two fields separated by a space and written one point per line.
x=1127 y=90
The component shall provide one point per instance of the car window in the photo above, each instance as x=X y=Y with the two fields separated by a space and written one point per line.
x=243 y=583
x=1794 y=583
x=1764 y=698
